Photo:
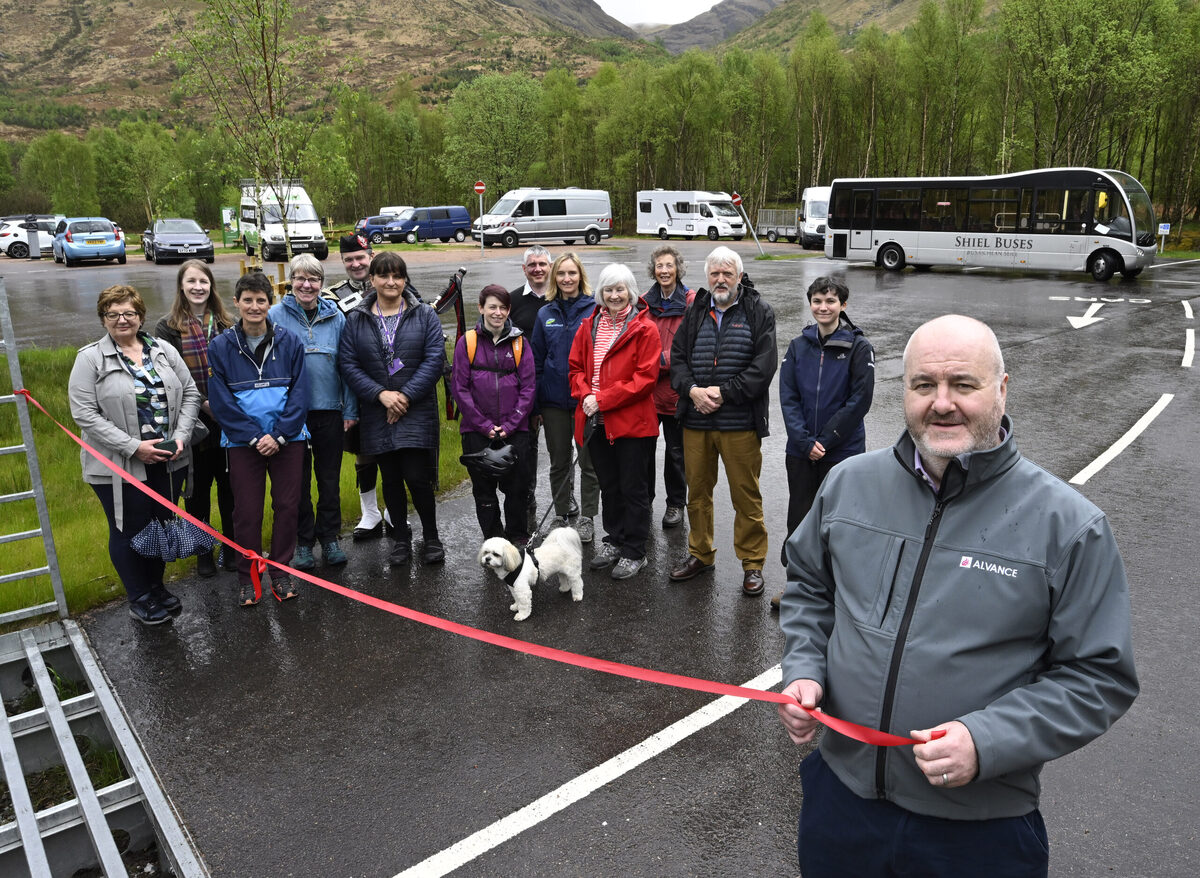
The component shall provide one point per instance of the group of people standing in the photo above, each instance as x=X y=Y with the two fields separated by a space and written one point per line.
x=282 y=389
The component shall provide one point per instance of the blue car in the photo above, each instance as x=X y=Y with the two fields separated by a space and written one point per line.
x=88 y=237
x=378 y=229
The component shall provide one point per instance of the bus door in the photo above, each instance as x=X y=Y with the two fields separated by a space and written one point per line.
x=863 y=209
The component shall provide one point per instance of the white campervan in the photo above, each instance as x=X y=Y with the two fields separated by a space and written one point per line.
x=814 y=210
x=524 y=215
x=261 y=216
x=688 y=213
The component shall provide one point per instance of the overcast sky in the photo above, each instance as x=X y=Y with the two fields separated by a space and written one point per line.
x=658 y=12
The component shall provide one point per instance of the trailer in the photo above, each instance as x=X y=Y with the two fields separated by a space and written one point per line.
x=776 y=224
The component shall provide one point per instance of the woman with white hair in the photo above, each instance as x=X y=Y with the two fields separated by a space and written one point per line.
x=613 y=370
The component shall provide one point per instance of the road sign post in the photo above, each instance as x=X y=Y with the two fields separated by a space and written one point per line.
x=480 y=188
x=1164 y=229
x=737 y=202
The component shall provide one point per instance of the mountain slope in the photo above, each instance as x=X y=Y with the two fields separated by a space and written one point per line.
x=584 y=16
x=718 y=24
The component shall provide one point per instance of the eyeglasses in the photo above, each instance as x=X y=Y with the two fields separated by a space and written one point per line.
x=118 y=316
x=301 y=281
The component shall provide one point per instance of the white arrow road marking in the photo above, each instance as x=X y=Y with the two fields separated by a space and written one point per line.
x=1124 y=442
x=1088 y=318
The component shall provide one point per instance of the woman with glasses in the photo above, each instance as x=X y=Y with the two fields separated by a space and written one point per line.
x=197 y=317
x=135 y=402
x=332 y=409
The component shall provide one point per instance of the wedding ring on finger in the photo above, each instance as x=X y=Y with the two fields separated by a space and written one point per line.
x=945 y=779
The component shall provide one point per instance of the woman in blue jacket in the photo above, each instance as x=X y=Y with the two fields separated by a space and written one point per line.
x=332 y=409
x=568 y=302
x=392 y=355
x=259 y=395
x=826 y=383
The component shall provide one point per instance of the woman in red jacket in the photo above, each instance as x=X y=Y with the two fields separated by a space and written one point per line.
x=613 y=369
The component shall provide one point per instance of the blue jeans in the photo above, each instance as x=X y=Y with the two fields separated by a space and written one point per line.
x=844 y=836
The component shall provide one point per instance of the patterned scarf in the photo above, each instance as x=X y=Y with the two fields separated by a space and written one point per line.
x=195 y=340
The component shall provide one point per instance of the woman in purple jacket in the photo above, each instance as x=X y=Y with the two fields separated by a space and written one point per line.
x=493 y=386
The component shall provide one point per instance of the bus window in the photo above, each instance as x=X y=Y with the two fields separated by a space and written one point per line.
x=1111 y=216
x=839 y=208
x=993 y=210
x=898 y=210
x=943 y=210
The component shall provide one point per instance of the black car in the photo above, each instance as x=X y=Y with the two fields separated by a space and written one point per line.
x=178 y=239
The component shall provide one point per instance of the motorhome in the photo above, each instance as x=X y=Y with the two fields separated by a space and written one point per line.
x=565 y=215
x=261 y=216
x=688 y=213
x=814 y=210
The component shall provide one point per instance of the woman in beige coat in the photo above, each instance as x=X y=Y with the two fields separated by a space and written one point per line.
x=136 y=403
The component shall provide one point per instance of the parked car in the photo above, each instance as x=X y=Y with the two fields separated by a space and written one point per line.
x=14 y=237
x=88 y=238
x=443 y=222
x=176 y=239
x=378 y=229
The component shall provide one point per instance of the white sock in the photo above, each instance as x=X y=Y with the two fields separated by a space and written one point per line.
x=370 y=509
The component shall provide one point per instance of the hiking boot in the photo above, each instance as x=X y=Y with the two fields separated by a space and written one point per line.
x=284 y=588
x=587 y=530
x=627 y=567
x=148 y=611
x=606 y=557
x=166 y=600
x=227 y=560
x=303 y=559
x=673 y=517
x=333 y=554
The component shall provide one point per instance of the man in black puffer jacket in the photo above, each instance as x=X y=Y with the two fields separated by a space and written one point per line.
x=722 y=361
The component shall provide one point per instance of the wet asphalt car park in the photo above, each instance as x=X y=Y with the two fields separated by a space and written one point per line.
x=325 y=737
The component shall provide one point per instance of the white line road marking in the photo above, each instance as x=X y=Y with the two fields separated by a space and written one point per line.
x=1189 y=349
x=1187 y=309
x=1124 y=442
x=572 y=791
x=1173 y=262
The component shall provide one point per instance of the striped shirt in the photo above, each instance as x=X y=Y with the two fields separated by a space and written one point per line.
x=607 y=331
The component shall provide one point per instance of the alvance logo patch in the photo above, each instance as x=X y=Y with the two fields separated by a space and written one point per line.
x=987 y=567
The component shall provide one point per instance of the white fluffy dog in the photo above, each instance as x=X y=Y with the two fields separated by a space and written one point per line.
x=561 y=553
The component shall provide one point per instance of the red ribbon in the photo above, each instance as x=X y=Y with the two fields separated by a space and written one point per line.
x=259 y=564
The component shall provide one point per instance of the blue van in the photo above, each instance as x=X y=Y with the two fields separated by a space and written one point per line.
x=422 y=223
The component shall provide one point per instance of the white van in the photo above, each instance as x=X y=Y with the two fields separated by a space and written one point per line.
x=688 y=213
x=261 y=219
x=524 y=215
x=814 y=210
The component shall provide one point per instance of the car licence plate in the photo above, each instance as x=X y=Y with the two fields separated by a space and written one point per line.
x=94 y=241
x=187 y=249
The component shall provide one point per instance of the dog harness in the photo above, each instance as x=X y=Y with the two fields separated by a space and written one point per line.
x=511 y=579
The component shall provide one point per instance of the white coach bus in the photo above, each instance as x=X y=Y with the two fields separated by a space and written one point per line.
x=1064 y=219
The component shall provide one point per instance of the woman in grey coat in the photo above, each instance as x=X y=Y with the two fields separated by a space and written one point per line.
x=135 y=402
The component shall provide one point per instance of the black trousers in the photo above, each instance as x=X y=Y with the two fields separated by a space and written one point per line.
x=804 y=478
x=323 y=455
x=410 y=468
x=674 y=479
x=138 y=573
x=624 y=490
x=514 y=485
x=211 y=465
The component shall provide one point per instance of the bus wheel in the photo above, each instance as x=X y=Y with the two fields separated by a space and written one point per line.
x=1131 y=273
x=772 y=236
x=1102 y=266
x=891 y=257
